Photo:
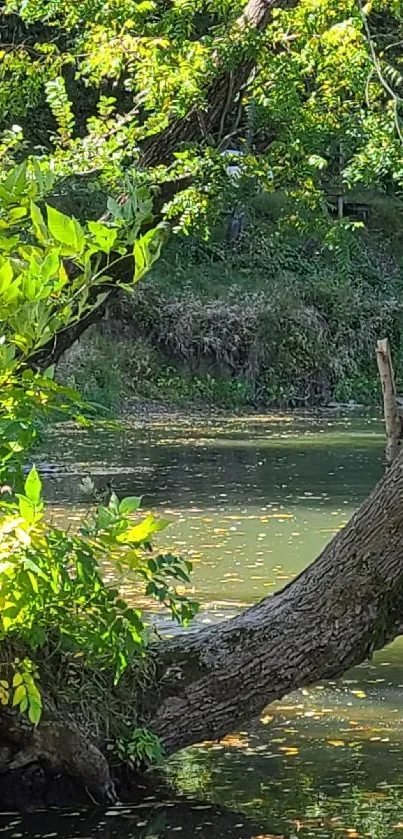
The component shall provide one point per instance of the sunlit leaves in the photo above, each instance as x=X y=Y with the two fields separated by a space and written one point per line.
x=142 y=532
x=130 y=504
x=26 y=694
x=33 y=487
x=65 y=230
x=105 y=237
x=147 y=249
x=60 y=106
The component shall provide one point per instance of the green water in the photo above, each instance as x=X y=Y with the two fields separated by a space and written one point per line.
x=252 y=502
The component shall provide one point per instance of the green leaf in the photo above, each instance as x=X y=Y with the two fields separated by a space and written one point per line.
x=15 y=183
x=146 y=251
x=140 y=532
x=24 y=705
x=130 y=504
x=34 y=712
x=8 y=243
x=161 y=524
x=6 y=276
x=33 y=581
x=49 y=373
x=33 y=487
x=104 y=236
x=65 y=230
x=38 y=223
x=114 y=504
x=26 y=508
x=19 y=695
x=50 y=266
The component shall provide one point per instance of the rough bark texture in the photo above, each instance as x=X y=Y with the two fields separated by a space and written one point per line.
x=393 y=422
x=347 y=604
x=52 y=352
x=201 y=123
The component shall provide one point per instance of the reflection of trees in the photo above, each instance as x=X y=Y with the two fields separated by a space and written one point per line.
x=291 y=804
x=295 y=801
x=191 y=775
x=153 y=821
x=166 y=466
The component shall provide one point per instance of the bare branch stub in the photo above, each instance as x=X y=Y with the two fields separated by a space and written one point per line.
x=392 y=413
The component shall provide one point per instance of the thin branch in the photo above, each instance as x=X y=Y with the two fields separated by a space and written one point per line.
x=377 y=66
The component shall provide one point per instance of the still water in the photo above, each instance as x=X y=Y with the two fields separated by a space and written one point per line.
x=252 y=502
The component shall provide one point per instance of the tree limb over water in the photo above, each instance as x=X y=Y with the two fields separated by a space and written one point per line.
x=343 y=607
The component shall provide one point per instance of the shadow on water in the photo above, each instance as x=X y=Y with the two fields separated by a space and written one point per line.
x=253 y=501
x=219 y=463
x=150 y=820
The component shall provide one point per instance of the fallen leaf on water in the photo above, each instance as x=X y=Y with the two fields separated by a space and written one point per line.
x=359 y=693
x=289 y=750
x=266 y=719
x=268 y=836
x=280 y=516
x=232 y=741
x=336 y=742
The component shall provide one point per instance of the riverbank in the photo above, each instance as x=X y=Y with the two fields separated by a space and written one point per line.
x=272 y=322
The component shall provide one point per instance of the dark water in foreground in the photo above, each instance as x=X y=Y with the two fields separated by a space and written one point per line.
x=252 y=502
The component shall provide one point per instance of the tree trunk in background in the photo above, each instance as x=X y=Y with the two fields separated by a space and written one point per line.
x=198 y=125
x=347 y=604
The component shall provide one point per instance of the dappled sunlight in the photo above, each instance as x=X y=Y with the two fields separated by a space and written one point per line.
x=326 y=761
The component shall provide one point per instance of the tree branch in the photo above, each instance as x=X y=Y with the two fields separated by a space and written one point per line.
x=197 y=125
x=347 y=604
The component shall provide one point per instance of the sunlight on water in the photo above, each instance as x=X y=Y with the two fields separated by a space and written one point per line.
x=252 y=502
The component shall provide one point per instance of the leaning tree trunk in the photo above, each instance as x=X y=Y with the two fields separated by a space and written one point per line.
x=344 y=606
x=347 y=604
x=205 y=122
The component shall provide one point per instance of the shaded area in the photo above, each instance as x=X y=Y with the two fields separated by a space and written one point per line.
x=324 y=762
x=150 y=820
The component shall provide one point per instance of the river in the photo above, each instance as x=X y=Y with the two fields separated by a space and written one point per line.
x=252 y=502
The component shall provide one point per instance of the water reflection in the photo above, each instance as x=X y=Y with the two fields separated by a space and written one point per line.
x=252 y=502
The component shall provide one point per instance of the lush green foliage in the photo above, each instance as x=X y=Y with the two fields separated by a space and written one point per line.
x=52 y=593
x=274 y=321
x=105 y=79
x=53 y=599
x=87 y=90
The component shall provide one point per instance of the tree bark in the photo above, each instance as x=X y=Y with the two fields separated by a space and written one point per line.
x=198 y=125
x=393 y=422
x=344 y=606
x=207 y=683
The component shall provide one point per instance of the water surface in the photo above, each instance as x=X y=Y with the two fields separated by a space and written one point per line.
x=252 y=502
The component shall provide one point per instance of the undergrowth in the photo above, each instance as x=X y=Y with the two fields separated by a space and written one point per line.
x=277 y=321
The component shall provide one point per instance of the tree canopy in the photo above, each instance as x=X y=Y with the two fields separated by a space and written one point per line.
x=134 y=92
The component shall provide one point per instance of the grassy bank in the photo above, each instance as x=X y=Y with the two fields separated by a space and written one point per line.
x=277 y=321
